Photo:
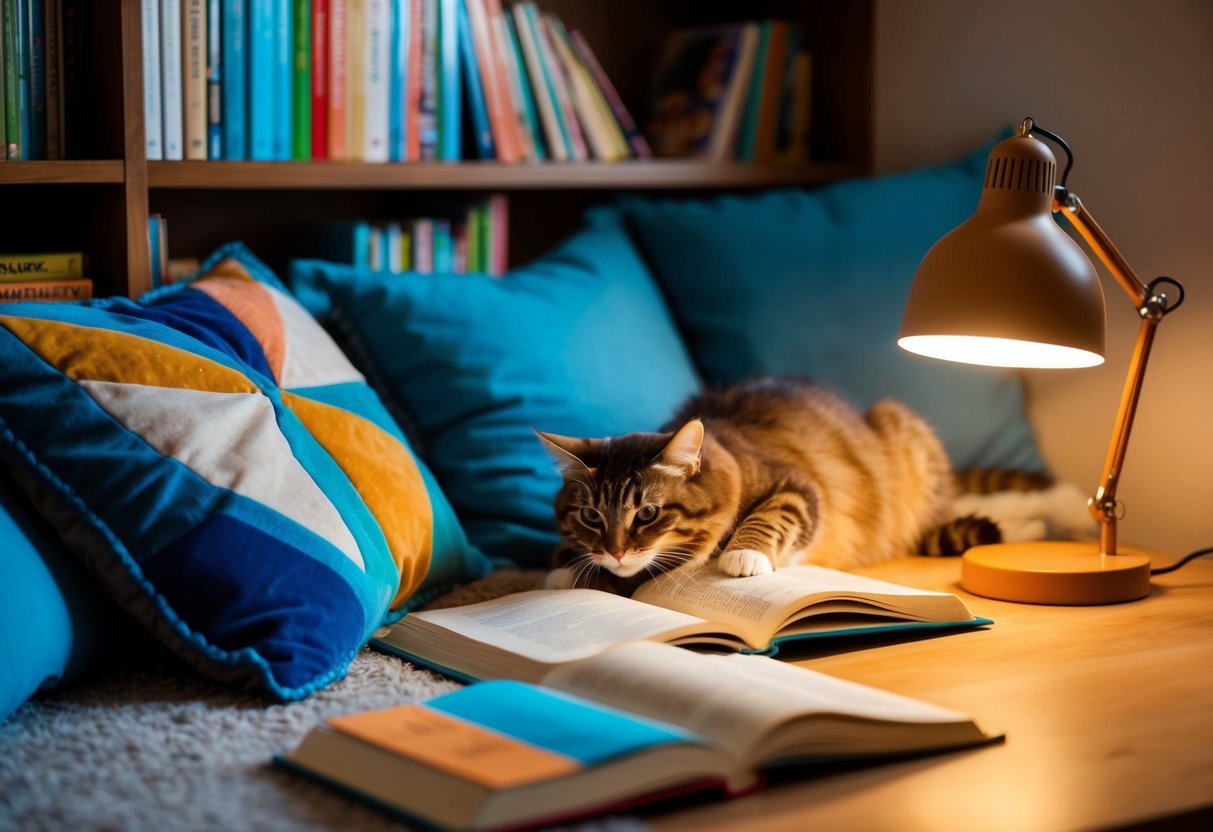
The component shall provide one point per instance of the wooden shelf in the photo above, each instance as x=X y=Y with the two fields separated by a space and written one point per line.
x=481 y=176
x=75 y=172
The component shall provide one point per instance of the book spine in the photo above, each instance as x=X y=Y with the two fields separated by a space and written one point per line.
x=54 y=79
x=355 y=80
x=284 y=78
x=524 y=93
x=398 y=66
x=378 y=86
x=772 y=86
x=748 y=132
x=301 y=81
x=214 y=79
x=505 y=138
x=36 y=12
x=631 y=131
x=510 y=82
x=499 y=235
x=75 y=136
x=152 y=125
x=236 y=79
x=412 y=83
x=338 y=117
x=605 y=140
x=320 y=79
x=171 y=77
x=450 y=95
x=3 y=93
x=459 y=246
x=46 y=290
x=53 y=266
x=423 y=246
x=544 y=96
x=153 y=248
x=443 y=260
x=568 y=116
x=194 y=38
x=260 y=102
x=12 y=81
x=472 y=231
x=482 y=130
x=428 y=107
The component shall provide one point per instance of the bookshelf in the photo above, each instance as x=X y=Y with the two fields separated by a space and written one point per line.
x=99 y=199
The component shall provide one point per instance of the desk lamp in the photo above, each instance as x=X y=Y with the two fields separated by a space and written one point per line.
x=1009 y=288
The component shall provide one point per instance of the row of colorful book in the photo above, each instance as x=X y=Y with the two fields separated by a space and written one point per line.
x=472 y=240
x=44 y=276
x=40 y=68
x=734 y=92
x=375 y=81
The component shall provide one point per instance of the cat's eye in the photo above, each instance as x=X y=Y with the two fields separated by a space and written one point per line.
x=647 y=514
x=591 y=517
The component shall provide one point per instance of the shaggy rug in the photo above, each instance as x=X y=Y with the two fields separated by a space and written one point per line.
x=150 y=746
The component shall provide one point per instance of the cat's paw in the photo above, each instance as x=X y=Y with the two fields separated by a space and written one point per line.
x=559 y=579
x=744 y=562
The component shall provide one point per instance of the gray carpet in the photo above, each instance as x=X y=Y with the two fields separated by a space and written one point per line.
x=151 y=746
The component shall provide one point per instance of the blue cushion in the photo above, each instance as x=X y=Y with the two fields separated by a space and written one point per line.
x=579 y=342
x=813 y=283
x=212 y=456
x=55 y=623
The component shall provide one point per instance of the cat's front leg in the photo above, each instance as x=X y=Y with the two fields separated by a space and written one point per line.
x=781 y=524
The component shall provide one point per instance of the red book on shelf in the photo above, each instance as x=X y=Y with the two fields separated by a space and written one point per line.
x=337 y=139
x=320 y=78
x=493 y=78
x=412 y=92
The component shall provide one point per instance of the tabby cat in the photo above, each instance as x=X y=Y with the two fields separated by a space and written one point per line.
x=768 y=472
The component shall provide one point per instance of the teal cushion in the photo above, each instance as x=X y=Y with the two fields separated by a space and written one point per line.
x=579 y=342
x=813 y=283
x=214 y=459
x=55 y=622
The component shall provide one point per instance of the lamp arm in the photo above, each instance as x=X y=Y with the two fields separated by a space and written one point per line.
x=1152 y=305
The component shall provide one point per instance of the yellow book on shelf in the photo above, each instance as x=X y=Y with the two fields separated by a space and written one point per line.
x=355 y=80
x=55 y=266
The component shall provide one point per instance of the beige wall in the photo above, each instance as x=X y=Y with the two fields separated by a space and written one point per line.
x=1129 y=84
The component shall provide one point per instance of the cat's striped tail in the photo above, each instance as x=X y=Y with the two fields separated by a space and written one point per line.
x=957 y=535
x=992 y=480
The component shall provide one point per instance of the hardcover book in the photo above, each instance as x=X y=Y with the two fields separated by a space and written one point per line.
x=525 y=635
x=634 y=725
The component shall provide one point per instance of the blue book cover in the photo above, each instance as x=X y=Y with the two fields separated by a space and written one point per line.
x=284 y=78
x=23 y=88
x=235 y=79
x=262 y=108
x=214 y=79
x=398 y=69
x=450 y=131
x=444 y=249
x=477 y=106
x=528 y=100
x=153 y=244
x=747 y=135
x=36 y=31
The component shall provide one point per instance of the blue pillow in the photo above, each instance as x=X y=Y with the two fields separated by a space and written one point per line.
x=213 y=458
x=579 y=343
x=55 y=622
x=813 y=283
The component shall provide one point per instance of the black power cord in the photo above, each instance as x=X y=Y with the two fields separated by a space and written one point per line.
x=1185 y=559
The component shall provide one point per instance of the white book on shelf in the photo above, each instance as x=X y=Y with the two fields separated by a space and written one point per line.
x=378 y=79
x=170 y=77
x=152 y=121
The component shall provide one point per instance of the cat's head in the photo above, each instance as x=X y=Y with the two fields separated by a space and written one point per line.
x=642 y=503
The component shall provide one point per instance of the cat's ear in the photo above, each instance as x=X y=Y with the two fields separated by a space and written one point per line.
x=682 y=451
x=568 y=451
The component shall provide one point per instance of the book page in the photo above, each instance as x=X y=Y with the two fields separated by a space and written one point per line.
x=758 y=606
x=733 y=700
x=559 y=625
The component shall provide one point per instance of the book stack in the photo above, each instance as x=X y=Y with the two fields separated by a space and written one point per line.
x=375 y=81
x=40 y=64
x=738 y=92
x=471 y=240
x=40 y=277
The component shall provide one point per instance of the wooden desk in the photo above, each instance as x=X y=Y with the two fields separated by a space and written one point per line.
x=1108 y=713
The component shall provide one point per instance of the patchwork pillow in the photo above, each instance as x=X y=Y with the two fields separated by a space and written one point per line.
x=814 y=282
x=226 y=472
x=579 y=342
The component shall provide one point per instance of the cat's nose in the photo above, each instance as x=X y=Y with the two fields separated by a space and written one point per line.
x=617 y=554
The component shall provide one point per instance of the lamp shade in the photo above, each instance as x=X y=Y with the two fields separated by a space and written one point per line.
x=1008 y=287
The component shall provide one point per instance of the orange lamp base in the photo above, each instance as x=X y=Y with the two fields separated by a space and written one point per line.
x=1055 y=572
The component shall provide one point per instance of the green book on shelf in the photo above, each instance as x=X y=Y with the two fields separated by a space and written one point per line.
x=301 y=81
x=14 y=113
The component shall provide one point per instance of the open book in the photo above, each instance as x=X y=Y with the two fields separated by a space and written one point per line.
x=521 y=636
x=634 y=723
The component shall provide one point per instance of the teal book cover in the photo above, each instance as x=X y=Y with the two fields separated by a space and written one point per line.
x=234 y=83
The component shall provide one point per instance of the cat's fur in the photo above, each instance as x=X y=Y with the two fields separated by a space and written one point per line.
x=765 y=473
